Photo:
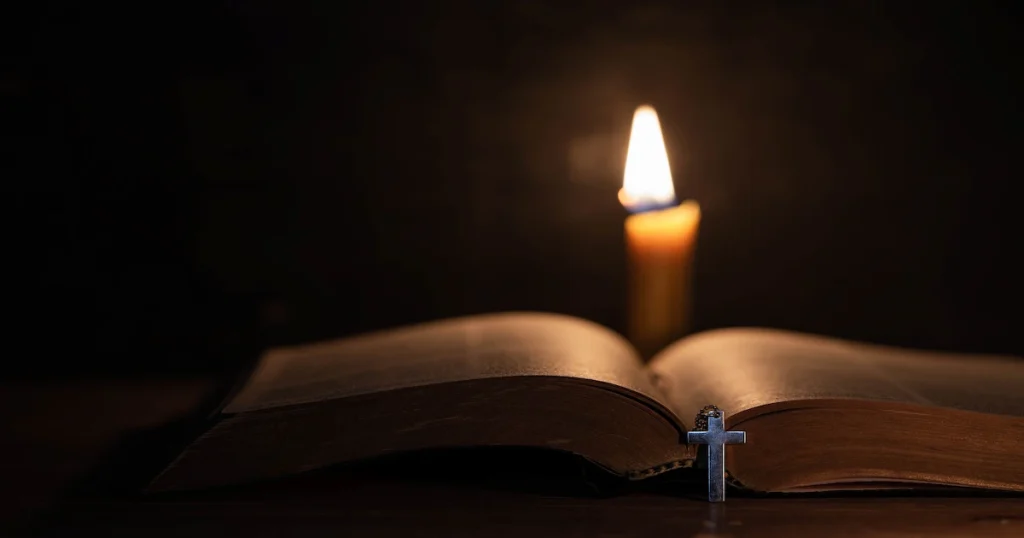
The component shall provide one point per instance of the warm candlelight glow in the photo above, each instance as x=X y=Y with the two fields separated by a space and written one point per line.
x=660 y=240
x=647 y=182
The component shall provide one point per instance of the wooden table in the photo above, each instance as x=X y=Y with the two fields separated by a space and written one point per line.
x=55 y=433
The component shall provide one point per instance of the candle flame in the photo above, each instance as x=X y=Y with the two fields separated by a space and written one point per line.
x=647 y=183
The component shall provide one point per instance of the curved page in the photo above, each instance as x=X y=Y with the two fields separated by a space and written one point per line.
x=477 y=347
x=743 y=369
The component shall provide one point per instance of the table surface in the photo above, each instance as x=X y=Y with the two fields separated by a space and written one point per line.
x=56 y=433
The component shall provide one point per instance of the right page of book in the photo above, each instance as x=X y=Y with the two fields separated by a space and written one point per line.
x=745 y=368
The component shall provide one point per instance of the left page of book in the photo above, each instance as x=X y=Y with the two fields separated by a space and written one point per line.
x=519 y=379
x=475 y=347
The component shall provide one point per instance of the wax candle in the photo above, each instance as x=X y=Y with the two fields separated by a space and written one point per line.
x=661 y=237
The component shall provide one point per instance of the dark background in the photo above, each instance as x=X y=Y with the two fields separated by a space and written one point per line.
x=193 y=183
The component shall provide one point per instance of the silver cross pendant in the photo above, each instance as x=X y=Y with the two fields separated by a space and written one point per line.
x=716 y=438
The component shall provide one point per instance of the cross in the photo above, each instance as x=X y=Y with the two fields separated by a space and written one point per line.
x=716 y=438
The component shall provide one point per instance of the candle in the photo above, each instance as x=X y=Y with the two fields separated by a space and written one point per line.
x=660 y=240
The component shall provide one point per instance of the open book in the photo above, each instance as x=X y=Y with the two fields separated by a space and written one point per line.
x=819 y=413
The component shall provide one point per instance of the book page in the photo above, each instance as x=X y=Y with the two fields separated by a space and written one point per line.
x=485 y=346
x=745 y=368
